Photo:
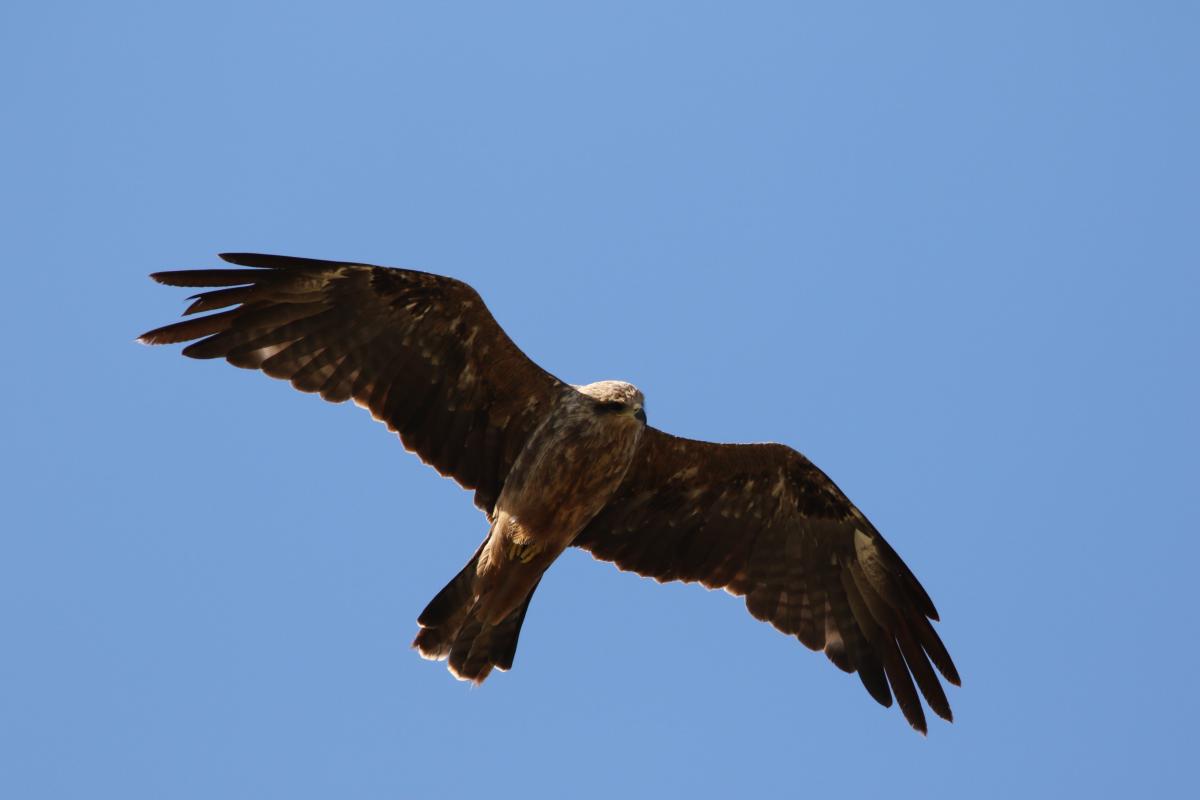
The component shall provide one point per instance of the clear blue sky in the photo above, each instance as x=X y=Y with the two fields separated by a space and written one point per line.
x=949 y=253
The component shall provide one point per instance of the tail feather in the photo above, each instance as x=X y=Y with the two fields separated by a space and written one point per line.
x=455 y=598
x=479 y=647
x=504 y=640
x=452 y=629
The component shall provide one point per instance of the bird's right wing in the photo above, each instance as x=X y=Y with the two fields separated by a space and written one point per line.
x=420 y=351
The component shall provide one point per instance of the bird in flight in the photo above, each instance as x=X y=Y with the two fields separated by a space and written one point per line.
x=554 y=465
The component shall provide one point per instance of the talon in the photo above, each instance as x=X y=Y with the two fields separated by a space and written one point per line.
x=522 y=551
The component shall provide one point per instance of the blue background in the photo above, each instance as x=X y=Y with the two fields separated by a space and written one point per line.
x=949 y=253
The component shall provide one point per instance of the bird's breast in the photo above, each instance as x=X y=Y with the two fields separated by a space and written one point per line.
x=566 y=473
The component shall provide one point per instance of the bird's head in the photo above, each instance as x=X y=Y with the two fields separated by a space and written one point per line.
x=616 y=397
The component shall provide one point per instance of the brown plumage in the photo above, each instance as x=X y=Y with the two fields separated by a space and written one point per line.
x=554 y=465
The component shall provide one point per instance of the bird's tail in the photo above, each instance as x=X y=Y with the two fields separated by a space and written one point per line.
x=452 y=629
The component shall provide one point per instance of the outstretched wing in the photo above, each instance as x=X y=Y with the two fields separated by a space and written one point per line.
x=760 y=520
x=421 y=351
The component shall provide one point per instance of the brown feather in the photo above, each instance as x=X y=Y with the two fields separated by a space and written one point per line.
x=275 y=262
x=903 y=689
x=206 y=277
x=932 y=643
x=219 y=298
x=191 y=329
x=870 y=666
x=918 y=665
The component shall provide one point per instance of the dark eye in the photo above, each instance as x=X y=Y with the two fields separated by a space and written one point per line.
x=610 y=408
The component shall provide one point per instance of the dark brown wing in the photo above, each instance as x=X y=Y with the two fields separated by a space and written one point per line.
x=760 y=520
x=421 y=351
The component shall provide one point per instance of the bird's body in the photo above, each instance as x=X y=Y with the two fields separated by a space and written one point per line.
x=555 y=465
x=564 y=475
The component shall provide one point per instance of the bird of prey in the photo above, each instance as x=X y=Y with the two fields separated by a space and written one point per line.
x=554 y=465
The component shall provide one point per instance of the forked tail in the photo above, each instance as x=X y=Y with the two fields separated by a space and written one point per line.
x=451 y=628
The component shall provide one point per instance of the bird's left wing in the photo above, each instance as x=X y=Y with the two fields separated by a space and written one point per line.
x=421 y=351
x=760 y=520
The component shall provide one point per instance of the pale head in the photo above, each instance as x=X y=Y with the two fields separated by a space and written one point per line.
x=616 y=397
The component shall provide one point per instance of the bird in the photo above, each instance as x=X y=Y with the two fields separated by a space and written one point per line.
x=554 y=465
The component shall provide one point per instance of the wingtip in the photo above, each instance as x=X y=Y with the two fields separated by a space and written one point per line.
x=917 y=721
x=258 y=260
x=950 y=672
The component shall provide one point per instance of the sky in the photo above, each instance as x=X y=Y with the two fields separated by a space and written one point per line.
x=946 y=250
